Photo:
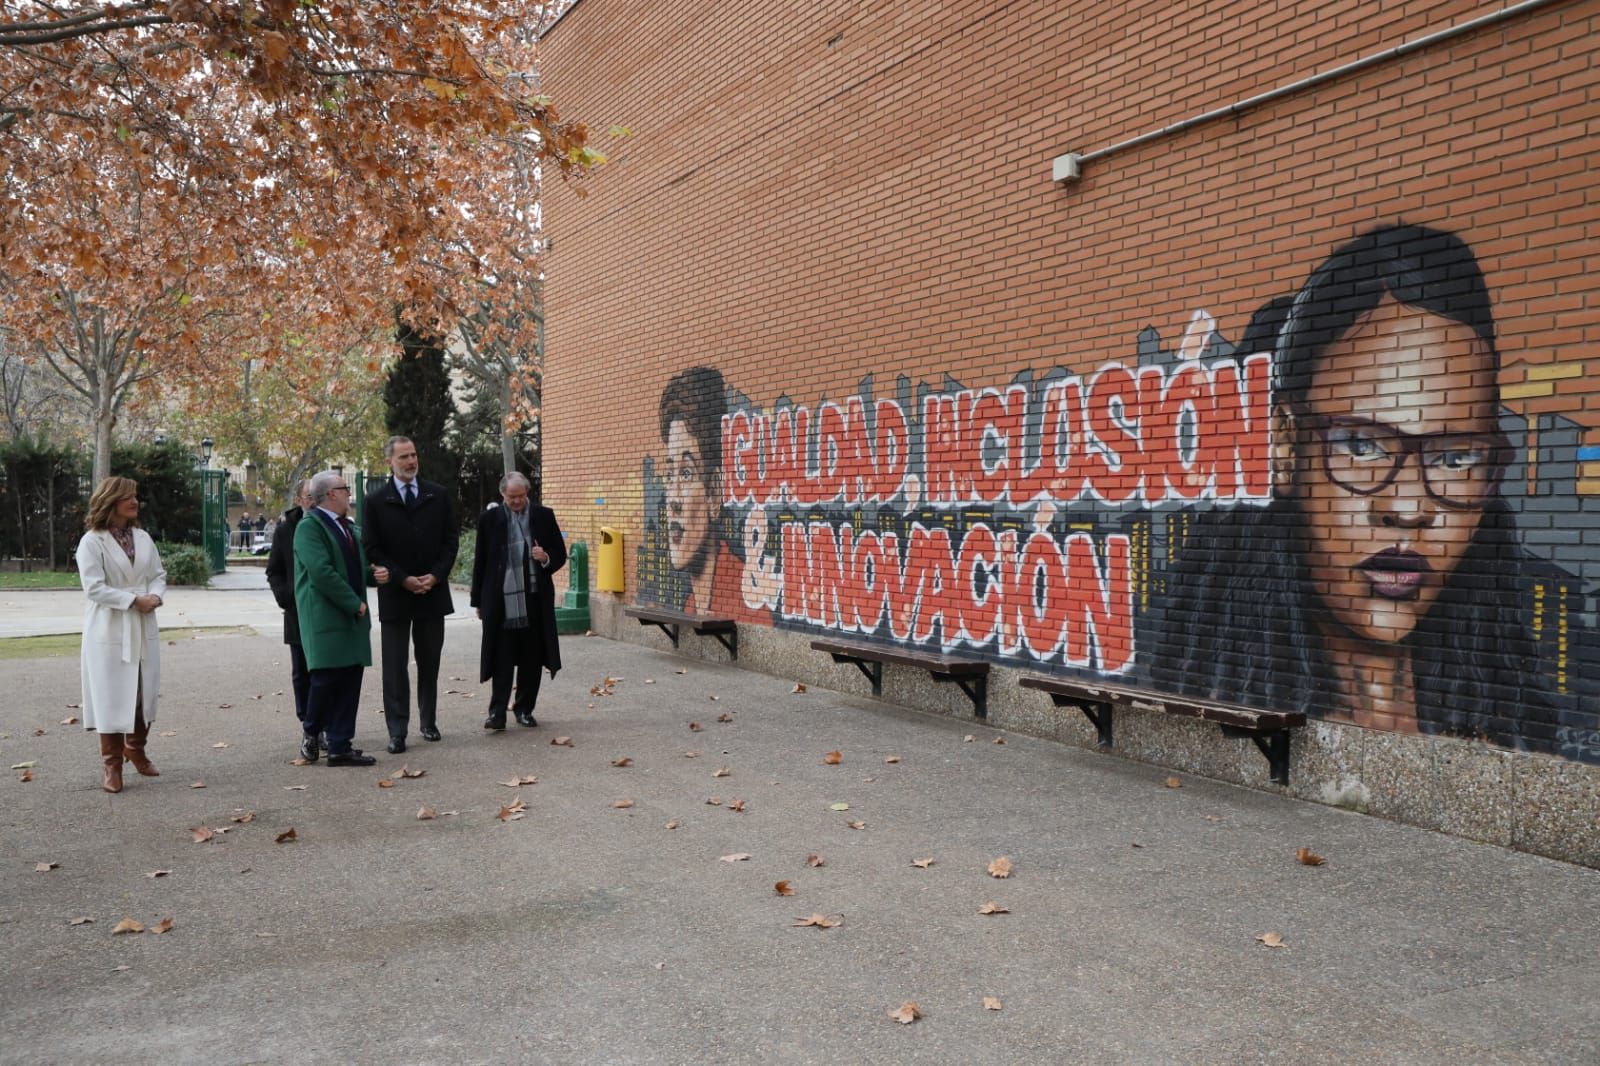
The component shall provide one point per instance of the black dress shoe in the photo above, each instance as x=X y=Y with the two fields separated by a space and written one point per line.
x=495 y=721
x=351 y=758
x=526 y=718
x=397 y=745
x=309 y=751
x=430 y=732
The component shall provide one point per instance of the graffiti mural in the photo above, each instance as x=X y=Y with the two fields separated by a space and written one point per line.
x=1343 y=512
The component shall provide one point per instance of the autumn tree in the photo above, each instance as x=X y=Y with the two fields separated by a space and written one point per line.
x=501 y=358
x=161 y=162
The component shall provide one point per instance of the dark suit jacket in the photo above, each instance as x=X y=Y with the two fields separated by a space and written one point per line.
x=411 y=542
x=489 y=575
x=280 y=572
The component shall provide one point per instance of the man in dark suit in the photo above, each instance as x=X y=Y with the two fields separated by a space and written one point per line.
x=330 y=597
x=519 y=548
x=280 y=576
x=410 y=528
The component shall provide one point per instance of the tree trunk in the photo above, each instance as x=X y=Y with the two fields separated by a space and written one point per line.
x=50 y=520
x=508 y=440
x=105 y=419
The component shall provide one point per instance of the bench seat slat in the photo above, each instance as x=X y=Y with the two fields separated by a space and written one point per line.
x=939 y=664
x=1205 y=710
x=700 y=623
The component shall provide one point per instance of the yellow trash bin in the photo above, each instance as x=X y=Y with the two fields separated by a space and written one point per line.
x=610 y=568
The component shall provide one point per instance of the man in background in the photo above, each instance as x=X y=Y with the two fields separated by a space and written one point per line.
x=280 y=576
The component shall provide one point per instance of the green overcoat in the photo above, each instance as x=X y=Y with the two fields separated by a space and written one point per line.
x=330 y=632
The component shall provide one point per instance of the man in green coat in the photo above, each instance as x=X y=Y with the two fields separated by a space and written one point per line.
x=330 y=595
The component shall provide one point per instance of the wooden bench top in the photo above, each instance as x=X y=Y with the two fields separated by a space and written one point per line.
x=939 y=664
x=700 y=623
x=1206 y=710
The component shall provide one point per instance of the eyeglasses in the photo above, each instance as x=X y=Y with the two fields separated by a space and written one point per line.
x=340 y=488
x=1459 y=470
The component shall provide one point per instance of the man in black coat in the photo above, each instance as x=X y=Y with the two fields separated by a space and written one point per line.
x=280 y=576
x=409 y=526
x=517 y=606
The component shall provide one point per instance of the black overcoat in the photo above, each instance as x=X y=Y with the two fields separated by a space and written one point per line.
x=411 y=541
x=489 y=575
x=280 y=572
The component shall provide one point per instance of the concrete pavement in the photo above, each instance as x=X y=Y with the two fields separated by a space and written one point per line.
x=588 y=932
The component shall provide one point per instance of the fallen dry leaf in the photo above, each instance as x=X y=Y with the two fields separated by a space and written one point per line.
x=695 y=727
x=224 y=706
x=856 y=825
x=993 y=908
x=736 y=805
x=1001 y=867
x=297 y=761
x=908 y=1013
x=25 y=776
x=833 y=758
x=159 y=873
x=819 y=921
x=999 y=740
x=721 y=771
x=713 y=801
x=838 y=806
x=738 y=856
x=286 y=836
x=672 y=824
x=561 y=742
x=127 y=925
x=198 y=784
x=680 y=671
x=384 y=782
x=649 y=680
x=268 y=936
x=295 y=788
x=1271 y=940
x=519 y=781
x=713 y=699
x=30 y=764
x=201 y=834
x=45 y=867
x=81 y=921
x=691 y=755
x=799 y=688
x=1213 y=818
x=1173 y=782
x=73 y=706
x=220 y=744
x=69 y=721
x=783 y=888
x=622 y=762
x=426 y=813
x=990 y=1003
x=724 y=717
x=39 y=733
x=815 y=860
x=968 y=739
x=891 y=759
x=1307 y=857
x=163 y=926
x=922 y=864
x=406 y=773
x=622 y=805
x=169 y=733
x=247 y=816
x=124 y=969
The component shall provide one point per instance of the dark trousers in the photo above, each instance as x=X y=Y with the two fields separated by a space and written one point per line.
x=427 y=635
x=335 y=694
x=300 y=679
x=520 y=651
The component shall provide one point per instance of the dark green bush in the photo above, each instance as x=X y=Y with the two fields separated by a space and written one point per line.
x=186 y=564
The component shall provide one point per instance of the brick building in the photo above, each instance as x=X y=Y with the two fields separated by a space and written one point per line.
x=876 y=325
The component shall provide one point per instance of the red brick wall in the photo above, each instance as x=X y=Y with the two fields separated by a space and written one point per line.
x=815 y=192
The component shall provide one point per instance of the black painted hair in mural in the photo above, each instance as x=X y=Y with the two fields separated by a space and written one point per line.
x=696 y=398
x=1240 y=618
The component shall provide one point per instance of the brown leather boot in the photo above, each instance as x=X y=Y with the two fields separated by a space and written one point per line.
x=111 y=753
x=133 y=746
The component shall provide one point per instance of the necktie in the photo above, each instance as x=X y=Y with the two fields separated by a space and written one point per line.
x=344 y=527
x=411 y=494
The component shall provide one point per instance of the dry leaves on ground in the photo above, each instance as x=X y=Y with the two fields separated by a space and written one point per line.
x=622 y=762
x=818 y=921
x=999 y=740
x=907 y=1013
x=724 y=718
x=169 y=732
x=672 y=824
x=649 y=680
x=721 y=771
x=163 y=926
x=247 y=816
x=815 y=860
x=784 y=888
x=838 y=806
x=220 y=744
x=695 y=727
x=833 y=758
x=384 y=782
x=1272 y=940
x=297 y=761
x=224 y=706
x=287 y=836
x=201 y=834
x=1001 y=867
x=513 y=811
x=295 y=788
x=426 y=813
x=519 y=781
x=990 y=1003
x=736 y=806
x=45 y=867
x=891 y=759
x=561 y=742
x=86 y=920
x=406 y=772
x=1307 y=857
x=127 y=925
x=968 y=739
x=69 y=721
x=713 y=699
x=622 y=805
x=856 y=825
x=993 y=908
x=198 y=784
x=159 y=873
x=25 y=776
x=1173 y=782
x=799 y=689
x=922 y=864
x=30 y=764
x=738 y=856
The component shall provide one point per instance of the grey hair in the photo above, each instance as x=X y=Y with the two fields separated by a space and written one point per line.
x=300 y=488
x=512 y=479
x=389 y=445
x=323 y=483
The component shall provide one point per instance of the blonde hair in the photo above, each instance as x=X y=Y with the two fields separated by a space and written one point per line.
x=109 y=493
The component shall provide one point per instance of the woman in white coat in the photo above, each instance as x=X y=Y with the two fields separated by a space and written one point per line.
x=123 y=577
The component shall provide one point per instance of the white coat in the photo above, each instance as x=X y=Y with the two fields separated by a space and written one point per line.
x=117 y=640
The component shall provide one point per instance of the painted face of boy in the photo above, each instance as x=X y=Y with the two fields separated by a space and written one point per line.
x=692 y=500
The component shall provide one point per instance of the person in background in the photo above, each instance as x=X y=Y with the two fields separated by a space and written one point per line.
x=280 y=576
x=411 y=530
x=120 y=662
x=519 y=547
x=330 y=580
